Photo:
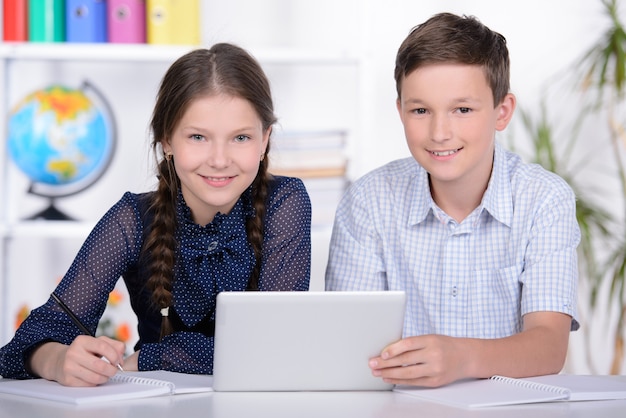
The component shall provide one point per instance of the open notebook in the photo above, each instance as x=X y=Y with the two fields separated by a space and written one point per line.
x=124 y=385
x=499 y=390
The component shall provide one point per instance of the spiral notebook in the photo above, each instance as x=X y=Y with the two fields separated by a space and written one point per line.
x=499 y=390
x=124 y=385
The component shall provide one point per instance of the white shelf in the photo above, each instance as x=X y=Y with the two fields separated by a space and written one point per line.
x=107 y=52
x=46 y=229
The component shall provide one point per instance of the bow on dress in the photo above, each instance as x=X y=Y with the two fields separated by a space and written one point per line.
x=212 y=259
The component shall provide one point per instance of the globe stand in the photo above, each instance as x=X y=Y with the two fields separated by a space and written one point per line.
x=51 y=213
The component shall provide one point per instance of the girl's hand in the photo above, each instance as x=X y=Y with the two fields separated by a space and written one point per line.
x=88 y=361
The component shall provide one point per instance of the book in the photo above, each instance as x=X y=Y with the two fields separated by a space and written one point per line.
x=500 y=390
x=15 y=21
x=325 y=194
x=46 y=20
x=85 y=21
x=173 y=22
x=124 y=385
x=126 y=21
x=309 y=154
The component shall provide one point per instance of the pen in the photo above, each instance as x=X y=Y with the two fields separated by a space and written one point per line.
x=74 y=318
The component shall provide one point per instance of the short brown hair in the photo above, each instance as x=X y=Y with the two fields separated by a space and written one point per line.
x=448 y=38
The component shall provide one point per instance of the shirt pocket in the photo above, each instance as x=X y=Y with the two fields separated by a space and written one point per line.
x=495 y=307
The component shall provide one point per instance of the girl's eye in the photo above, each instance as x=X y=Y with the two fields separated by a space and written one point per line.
x=241 y=138
x=197 y=137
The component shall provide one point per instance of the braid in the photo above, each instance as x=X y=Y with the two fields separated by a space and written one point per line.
x=160 y=244
x=254 y=225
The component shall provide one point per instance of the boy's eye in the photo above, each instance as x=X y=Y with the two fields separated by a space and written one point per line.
x=419 y=111
x=464 y=109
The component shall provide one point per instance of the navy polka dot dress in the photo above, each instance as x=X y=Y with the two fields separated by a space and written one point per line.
x=210 y=259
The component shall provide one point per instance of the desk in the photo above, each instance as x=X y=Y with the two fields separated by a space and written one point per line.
x=299 y=405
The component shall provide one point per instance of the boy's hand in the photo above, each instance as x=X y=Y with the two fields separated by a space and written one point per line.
x=426 y=360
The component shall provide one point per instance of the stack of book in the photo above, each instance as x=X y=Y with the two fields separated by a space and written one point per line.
x=319 y=159
x=114 y=21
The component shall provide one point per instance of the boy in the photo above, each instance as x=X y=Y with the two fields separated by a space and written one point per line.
x=483 y=244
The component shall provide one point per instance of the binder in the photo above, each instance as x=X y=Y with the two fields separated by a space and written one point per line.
x=15 y=20
x=46 y=20
x=173 y=22
x=126 y=21
x=85 y=21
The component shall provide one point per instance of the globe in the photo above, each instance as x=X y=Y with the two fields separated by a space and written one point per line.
x=63 y=139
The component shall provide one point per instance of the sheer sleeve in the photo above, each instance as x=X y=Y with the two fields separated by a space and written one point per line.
x=286 y=261
x=111 y=247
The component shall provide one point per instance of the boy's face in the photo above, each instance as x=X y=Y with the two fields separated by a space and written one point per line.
x=450 y=121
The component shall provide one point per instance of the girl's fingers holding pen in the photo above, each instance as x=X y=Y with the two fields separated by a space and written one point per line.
x=111 y=350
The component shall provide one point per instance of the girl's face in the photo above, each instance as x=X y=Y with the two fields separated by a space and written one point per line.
x=216 y=149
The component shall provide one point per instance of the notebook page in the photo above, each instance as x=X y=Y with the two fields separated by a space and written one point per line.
x=113 y=390
x=484 y=392
x=586 y=387
x=182 y=382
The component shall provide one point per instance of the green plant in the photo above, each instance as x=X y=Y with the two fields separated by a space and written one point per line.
x=601 y=85
x=604 y=73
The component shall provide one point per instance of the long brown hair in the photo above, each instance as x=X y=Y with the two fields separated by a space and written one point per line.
x=223 y=69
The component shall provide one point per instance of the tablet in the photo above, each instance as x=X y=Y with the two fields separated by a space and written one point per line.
x=303 y=341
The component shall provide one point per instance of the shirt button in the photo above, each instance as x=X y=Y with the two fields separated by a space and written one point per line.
x=454 y=291
x=212 y=246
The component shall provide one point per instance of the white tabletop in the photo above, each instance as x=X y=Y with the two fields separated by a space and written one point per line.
x=298 y=404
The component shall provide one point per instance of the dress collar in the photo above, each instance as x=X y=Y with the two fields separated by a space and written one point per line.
x=243 y=208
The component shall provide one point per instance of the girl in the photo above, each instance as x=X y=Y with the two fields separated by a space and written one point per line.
x=218 y=221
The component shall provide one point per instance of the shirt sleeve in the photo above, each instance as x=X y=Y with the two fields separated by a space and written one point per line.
x=355 y=259
x=286 y=263
x=107 y=252
x=550 y=273
x=182 y=352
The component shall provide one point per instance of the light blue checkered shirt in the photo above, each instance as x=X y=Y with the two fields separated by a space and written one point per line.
x=514 y=254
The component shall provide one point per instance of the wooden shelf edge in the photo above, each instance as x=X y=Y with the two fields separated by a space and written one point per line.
x=310 y=173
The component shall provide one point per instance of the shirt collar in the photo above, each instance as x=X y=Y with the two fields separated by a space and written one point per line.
x=497 y=200
x=419 y=194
